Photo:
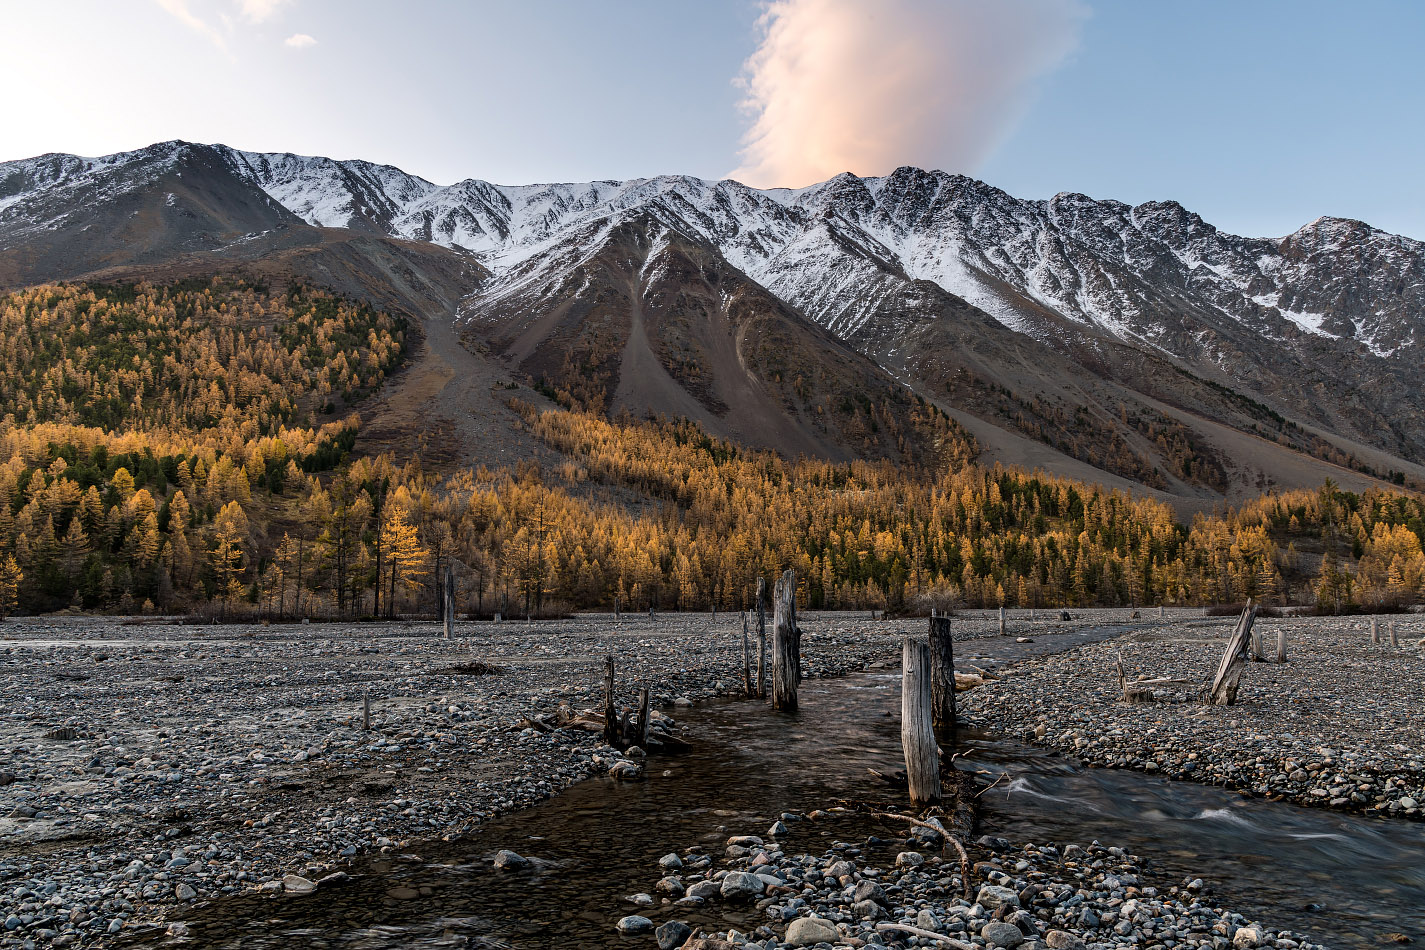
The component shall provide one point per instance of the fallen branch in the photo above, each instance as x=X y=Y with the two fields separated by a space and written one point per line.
x=1001 y=778
x=944 y=833
x=885 y=927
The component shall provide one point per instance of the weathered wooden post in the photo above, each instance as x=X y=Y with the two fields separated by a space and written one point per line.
x=1375 y=632
x=922 y=757
x=642 y=734
x=650 y=611
x=942 y=679
x=1160 y=611
x=785 y=674
x=611 y=723
x=366 y=713
x=448 y=601
x=762 y=637
x=1281 y=644
x=618 y=617
x=1390 y=626
x=1223 y=691
x=1001 y=621
x=746 y=659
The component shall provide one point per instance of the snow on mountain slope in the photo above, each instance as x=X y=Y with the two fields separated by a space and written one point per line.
x=832 y=247
x=1154 y=275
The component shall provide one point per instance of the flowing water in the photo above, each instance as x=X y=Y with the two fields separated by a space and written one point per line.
x=1344 y=880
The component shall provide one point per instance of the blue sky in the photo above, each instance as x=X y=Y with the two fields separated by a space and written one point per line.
x=1258 y=115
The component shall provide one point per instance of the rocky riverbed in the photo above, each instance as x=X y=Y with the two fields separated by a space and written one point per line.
x=1337 y=725
x=910 y=892
x=146 y=766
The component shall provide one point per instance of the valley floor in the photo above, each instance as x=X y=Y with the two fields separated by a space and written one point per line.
x=148 y=766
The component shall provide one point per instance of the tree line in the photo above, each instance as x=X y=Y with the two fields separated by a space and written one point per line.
x=249 y=514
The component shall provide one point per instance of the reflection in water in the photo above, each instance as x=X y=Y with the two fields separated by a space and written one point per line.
x=1342 y=879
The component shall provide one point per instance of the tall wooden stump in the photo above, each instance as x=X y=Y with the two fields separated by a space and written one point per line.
x=1223 y=691
x=1001 y=621
x=448 y=601
x=762 y=637
x=611 y=724
x=942 y=679
x=1281 y=644
x=785 y=671
x=1375 y=631
x=1390 y=626
x=922 y=757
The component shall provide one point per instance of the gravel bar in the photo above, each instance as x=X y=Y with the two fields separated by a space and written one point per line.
x=1020 y=897
x=1338 y=725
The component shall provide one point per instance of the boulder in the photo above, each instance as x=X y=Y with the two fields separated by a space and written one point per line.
x=510 y=860
x=809 y=931
x=673 y=934
x=296 y=884
x=634 y=924
x=997 y=933
x=741 y=886
x=992 y=897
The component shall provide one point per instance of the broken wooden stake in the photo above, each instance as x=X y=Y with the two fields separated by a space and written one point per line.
x=746 y=659
x=1001 y=621
x=942 y=679
x=1390 y=626
x=641 y=737
x=1281 y=644
x=762 y=637
x=1223 y=691
x=448 y=601
x=1375 y=632
x=785 y=672
x=366 y=713
x=922 y=756
x=611 y=724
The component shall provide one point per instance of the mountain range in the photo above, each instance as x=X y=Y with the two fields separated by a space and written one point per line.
x=1133 y=345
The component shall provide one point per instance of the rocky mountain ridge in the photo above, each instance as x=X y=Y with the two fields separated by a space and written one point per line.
x=1091 y=325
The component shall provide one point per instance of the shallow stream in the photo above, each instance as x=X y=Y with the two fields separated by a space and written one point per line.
x=1344 y=880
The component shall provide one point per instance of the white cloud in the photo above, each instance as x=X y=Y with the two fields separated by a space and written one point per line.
x=180 y=10
x=259 y=11
x=845 y=85
x=300 y=41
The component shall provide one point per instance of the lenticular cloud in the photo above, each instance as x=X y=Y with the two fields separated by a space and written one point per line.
x=845 y=85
